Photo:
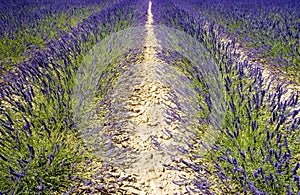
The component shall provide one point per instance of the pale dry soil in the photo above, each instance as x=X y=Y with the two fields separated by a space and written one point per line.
x=146 y=107
x=142 y=98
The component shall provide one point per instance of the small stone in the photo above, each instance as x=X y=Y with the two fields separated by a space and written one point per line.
x=153 y=89
x=166 y=137
x=166 y=98
x=164 y=183
x=125 y=145
x=134 y=103
x=110 y=186
x=138 y=110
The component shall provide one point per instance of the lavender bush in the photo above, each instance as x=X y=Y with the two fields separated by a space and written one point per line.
x=256 y=151
x=247 y=133
x=40 y=149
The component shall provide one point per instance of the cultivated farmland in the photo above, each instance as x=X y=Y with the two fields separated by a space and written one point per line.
x=149 y=97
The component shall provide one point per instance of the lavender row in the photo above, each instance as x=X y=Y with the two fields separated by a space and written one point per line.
x=40 y=150
x=270 y=30
x=27 y=26
x=17 y=16
x=256 y=150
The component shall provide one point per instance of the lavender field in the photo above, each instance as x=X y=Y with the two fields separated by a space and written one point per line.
x=149 y=97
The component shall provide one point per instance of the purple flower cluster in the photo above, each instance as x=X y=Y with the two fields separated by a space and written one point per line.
x=253 y=124
x=268 y=30
x=36 y=147
x=257 y=148
x=27 y=25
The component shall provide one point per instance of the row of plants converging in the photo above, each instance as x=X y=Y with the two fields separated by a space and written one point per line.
x=256 y=148
x=248 y=132
x=40 y=149
x=26 y=26
x=270 y=31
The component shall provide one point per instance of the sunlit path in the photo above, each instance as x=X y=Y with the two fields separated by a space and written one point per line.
x=147 y=106
x=150 y=97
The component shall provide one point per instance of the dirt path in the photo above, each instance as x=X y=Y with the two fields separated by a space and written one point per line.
x=141 y=127
x=147 y=107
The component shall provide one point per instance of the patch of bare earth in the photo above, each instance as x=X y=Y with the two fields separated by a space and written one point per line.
x=147 y=104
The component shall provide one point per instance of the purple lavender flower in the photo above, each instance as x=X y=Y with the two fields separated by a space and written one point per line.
x=254 y=125
x=286 y=142
x=294 y=170
x=242 y=153
x=31 y=151
x=51 y=158
x=41 y=187
x=279 y=135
